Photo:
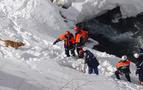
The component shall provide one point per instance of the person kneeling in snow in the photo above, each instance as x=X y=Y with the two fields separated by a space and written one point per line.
x=139 y=65
x=91 y=62
x=123 y=68
x=69 y=42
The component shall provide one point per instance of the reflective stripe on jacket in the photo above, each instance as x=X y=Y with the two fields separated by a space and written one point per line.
x=78 y=37
x=122 y=63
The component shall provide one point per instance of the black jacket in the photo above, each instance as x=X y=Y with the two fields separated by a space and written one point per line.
x=139 y=64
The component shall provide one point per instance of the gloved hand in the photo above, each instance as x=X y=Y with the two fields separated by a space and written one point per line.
x=54 y=42
x=119 y=72
x=75 y=45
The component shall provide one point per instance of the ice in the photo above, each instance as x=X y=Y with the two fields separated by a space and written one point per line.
x=82 y=10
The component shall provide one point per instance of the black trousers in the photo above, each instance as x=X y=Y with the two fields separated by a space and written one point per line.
x=127 y=75
x=141 y=76
x=67 y=52
x=93 y=69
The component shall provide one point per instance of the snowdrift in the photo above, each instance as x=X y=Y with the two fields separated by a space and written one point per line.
x=81 y=10
x=35 y=16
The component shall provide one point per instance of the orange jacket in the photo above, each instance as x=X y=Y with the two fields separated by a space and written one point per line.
x=122 y=63
x=78 y=37
x=62 y=37
x=84 y=33
x=68 y=39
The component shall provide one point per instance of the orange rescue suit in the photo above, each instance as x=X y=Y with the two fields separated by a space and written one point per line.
x=78 y=37
x=81 y=37
x=122 y=63
x=84 y=33
x=68 y=39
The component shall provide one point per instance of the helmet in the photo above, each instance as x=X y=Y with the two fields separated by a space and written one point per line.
x=124 y=57
x=67 y=32
x=76 y=28
x=136 y=55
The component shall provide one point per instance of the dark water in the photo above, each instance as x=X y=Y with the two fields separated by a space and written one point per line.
x=116 y=36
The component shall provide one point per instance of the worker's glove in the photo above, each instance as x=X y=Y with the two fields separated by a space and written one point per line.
x=75 y=45
x=54 y=42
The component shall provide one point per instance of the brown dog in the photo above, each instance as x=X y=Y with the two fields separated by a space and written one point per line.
x=13 y=44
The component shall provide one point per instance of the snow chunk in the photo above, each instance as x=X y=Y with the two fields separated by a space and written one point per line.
x=87 y=9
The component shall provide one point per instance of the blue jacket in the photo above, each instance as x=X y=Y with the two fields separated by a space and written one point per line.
x=90 y=59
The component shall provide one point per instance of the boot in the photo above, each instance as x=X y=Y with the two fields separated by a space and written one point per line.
x=67 y=52
x=117 y=75
x=128 y=77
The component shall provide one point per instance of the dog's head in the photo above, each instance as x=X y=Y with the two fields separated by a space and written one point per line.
x=21 y=44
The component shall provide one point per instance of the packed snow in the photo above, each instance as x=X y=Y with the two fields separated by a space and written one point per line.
x=39 y=65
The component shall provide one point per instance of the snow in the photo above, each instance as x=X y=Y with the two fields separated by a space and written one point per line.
x=24 y=15
x=82 y=10
x=39 y=65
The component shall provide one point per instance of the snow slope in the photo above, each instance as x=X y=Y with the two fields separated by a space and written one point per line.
x=29 y=15
x=39 y=65
x=27 y=70
x=81 y=10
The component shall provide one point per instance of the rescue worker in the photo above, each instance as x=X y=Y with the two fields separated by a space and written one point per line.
x=85 y=35
x=83 y=32
x=139 y=65
x=123 y=68
x=79 y=39
x=91 y=62
x=69 y=42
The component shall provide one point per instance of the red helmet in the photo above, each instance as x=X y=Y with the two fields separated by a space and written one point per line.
x=76 y=28
x=67 y=32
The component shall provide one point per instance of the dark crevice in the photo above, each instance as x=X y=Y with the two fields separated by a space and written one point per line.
x=109 y=25
x=65 y=6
